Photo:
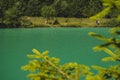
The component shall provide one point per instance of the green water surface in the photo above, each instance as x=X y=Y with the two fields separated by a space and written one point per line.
x=68 y=44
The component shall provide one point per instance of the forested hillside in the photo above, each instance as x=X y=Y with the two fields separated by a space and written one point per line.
x=64 y=8
x=12 y=10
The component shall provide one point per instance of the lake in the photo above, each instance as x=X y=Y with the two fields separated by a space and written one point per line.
x=68 y=44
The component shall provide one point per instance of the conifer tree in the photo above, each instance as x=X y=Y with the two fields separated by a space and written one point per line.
x=112 y=48
x=109 y=6
x=43 y=67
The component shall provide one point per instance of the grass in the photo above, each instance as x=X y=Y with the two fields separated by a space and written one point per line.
x=71 y=22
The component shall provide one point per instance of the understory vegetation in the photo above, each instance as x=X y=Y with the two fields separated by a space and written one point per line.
x=70 y=22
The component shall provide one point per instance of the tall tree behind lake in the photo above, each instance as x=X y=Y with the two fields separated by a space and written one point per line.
x=64 y=8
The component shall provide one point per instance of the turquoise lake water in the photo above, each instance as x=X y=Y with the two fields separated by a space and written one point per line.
x=68 y=44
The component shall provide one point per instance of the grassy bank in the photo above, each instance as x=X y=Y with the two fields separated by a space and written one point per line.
x=69 y=22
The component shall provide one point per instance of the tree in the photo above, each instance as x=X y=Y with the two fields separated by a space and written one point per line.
x=44 y=67
x=1 y=12
x=12 y=16
x=61 y=8
x=32 y=7
x=112 y=48
x=111 y=45
x=109 y=6
x=92 y=7
x=51 y=70
x=48 y=12
x=64 y=8
x=4 y=5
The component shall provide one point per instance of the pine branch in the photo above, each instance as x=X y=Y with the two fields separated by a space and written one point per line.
x=93 y=34
x=111 y=53
x=50 y=63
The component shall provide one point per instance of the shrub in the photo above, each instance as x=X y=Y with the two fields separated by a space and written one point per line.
x=56 y=22
x=112 y=23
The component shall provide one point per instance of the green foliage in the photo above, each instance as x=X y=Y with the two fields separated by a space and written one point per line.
x=48 y=12
x=112 y=22
x=112 y=48
x=56 y=22
x=61 y=8
x=64 y=8
x=12 y=15
x=31 y=7
x=43 y=67
x=113 y=72
x=118 y=18
x=110 y=5
x=25 y=22
x=92 y=7
x=101 y=14
x=110 y=43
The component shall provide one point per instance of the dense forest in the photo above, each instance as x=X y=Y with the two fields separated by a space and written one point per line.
x=12 y=10
x=64 y=8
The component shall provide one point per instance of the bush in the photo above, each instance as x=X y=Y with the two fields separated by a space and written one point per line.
x=56 y=22
x=112 y=23
x=25 y=22
x=12 y=23
x=70 y=25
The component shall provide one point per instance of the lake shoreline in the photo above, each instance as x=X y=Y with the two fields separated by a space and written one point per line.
x=34 y=22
